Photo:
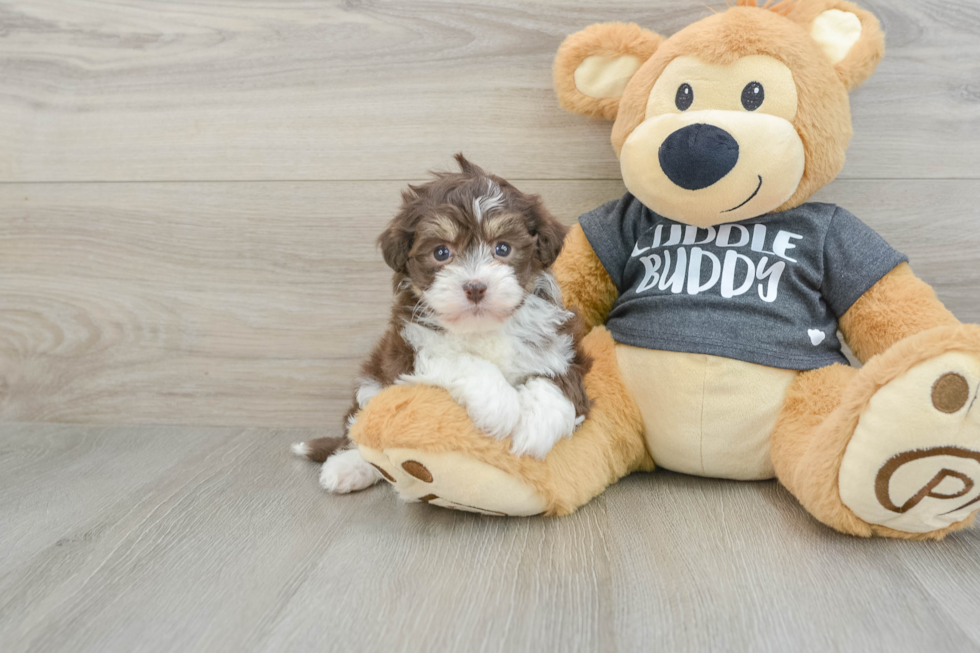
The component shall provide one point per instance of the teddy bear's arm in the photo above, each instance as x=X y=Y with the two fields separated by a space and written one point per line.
x=585 y=284
x=898 y=306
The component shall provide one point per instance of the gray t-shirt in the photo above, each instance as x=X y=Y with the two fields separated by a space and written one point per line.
x=767 y=290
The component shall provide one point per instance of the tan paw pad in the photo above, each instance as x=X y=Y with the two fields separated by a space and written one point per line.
x=913 y=463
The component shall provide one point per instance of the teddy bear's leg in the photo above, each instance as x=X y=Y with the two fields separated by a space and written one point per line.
x=805 y=457
x=892 y=449
x=426 y=446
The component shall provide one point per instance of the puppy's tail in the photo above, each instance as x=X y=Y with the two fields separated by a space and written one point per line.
x=320 y=449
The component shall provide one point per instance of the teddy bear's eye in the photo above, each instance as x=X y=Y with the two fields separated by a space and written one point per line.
x=753 y=95
x=685 y=96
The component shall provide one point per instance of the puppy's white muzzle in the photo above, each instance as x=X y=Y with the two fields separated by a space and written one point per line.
x=452 y=295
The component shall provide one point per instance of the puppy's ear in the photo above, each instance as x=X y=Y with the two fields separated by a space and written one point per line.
x=396 y=243
x=593 y=66
x=550 y=234
x=396 y=240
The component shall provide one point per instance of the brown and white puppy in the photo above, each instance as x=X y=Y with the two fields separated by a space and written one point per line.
x=477 y=312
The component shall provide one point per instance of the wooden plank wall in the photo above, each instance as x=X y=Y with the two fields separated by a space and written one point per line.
x=190 y=191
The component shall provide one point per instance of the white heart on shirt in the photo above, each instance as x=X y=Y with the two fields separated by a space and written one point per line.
x=816 y=336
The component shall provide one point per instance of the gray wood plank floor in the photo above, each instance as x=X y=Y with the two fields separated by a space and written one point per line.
x=216 y=539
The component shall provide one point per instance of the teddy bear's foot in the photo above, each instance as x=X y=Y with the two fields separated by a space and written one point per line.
x=913 y=462
x=454 y=480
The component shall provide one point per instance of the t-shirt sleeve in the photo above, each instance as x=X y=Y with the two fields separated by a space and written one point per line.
x=611 y=230
x=855 y=258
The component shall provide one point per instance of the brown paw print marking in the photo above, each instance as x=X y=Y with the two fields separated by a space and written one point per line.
x=417 y=470
x=929 y=489
x=950 y=392
x=429 y=497
x=384 y=473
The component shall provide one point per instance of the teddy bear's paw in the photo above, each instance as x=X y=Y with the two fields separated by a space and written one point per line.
x=913 y=463
x=453 y=480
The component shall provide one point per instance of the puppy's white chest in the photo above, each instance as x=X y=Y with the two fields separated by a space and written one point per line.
x=495 y=348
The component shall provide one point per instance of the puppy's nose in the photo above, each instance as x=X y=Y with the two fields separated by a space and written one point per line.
x=697 y=156
x=475 y=290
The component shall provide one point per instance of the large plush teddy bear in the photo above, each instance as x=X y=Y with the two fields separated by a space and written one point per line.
x=716 y=291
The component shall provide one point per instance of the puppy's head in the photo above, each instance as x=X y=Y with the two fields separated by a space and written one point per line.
x=470 y=247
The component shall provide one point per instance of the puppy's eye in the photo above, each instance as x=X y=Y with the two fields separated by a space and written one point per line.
x=442 y=253
x=685 y=96
x=753 y=95
x=502 y=250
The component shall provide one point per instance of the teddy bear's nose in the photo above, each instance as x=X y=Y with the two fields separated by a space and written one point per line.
x=697 y=156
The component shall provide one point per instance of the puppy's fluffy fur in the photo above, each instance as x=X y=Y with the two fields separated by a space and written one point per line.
x=477 y=312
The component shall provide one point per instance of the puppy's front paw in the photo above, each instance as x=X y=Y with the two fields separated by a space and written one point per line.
x=347 y=472
x=546 y=417
x=495 y=411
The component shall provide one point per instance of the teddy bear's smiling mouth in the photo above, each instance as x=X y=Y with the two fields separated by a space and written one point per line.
x=754 y=193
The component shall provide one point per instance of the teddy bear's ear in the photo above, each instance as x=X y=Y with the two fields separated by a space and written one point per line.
x=850 y=36
x=593 y=66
